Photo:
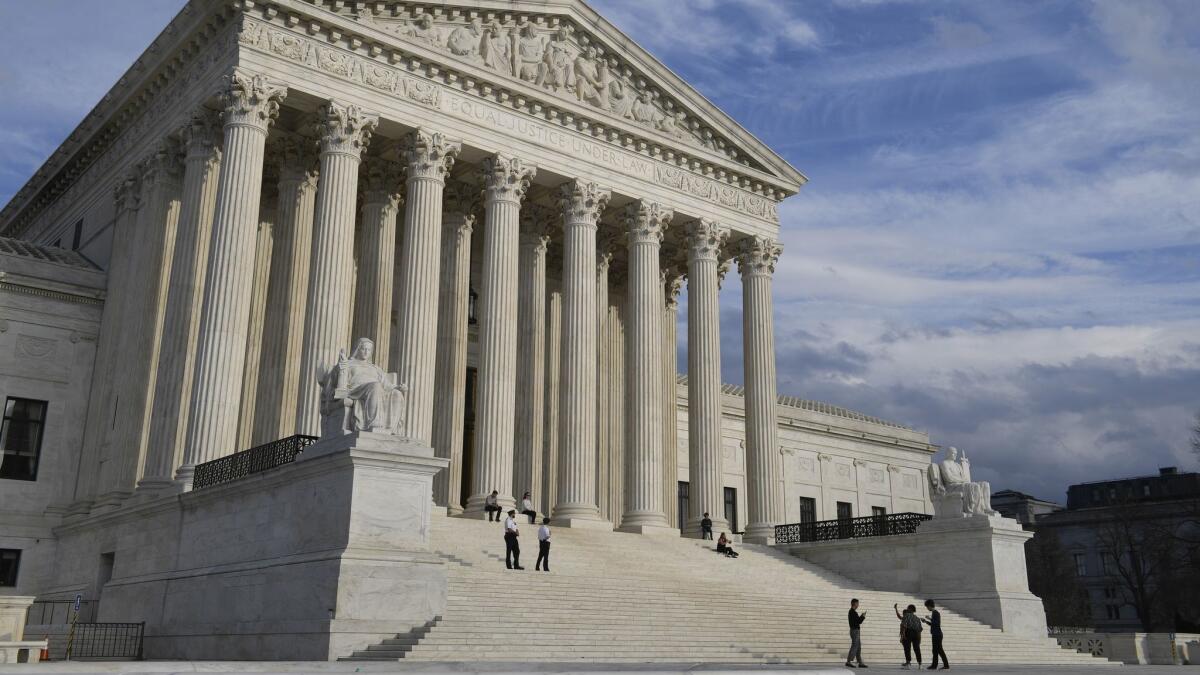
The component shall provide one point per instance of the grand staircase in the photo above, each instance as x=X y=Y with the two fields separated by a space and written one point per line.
x=615 y=597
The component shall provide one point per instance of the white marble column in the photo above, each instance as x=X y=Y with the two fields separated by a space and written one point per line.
x=553 y=368
x=254 y=332
x=153 y=250
x=377 y=258
x=706 y=490
x=251 y=102
x=673 y=279
x=604 y=254
x=185 y=296
x=531 y=357
x=505 y=181
x=450 y=372
x=287 y=292
x=616 y=411
x=764 y=464
x=644 y=512
x=345 y=131
x=582 y=204
x=429 y=157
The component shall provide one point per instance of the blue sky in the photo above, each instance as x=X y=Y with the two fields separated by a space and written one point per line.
x=1000 y=243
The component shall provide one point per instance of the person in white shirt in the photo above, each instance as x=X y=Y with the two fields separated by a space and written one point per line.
x=527 y=508
x=491 y=504
x=512 y=550
x=543 y=559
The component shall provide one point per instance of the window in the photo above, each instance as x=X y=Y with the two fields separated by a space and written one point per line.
x=808 y=510
x=1113 y=611
x=21 y=438
x=1112 y=493
x=10 y=560
x=1145 y=490
x=1108 y=562
x=77 y=238
x=1095 y=496
x=682 y=497
x=845 y=510
x=731 y=514
x=878 y=511
x=1110 y=593
x=1080 y=564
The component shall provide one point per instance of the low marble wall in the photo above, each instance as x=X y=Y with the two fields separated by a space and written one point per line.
x=305 y=562
x=1170 y=649
x=974 y=566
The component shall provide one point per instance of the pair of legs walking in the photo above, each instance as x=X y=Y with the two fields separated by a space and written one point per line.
x=855 y=649
x=938 y=651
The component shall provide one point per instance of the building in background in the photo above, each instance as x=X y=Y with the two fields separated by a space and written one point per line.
x=1023 y=508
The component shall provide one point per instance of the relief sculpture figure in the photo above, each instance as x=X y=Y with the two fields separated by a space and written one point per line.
x=466 y=40
x=494 y=49
x=591 y=78
x=556 y=72
x=356 y=395
x=528 y=52
x=952 y=491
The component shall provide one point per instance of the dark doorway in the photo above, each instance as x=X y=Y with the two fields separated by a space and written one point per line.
x=468 y=449
x=731 y=514
x=682 y=505
x=808 y=510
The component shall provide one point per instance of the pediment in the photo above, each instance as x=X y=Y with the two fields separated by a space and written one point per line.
x=568 y=52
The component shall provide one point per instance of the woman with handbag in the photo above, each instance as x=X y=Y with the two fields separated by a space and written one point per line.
x=910 y=634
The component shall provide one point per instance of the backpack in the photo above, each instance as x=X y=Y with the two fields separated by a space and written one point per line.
x=911 y=623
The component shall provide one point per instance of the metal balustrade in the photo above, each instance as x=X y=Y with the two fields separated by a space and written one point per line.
x=248 y=462
x=106 y=641
x=850 y=528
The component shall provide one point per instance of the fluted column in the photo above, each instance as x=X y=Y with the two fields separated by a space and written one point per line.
x=185 y=297
x=97 y=443
x=672 y=283
x=582 y=204
x=287 y=292
x=251 y=102
x=377 y=258
x=505 y=181
x=531 y=357
x=604 y=253
x=549 y=492
x=254 y=331
x=450 y=376
x=616 y=383
x=345 y=131
x=764 y=464
x=705 y=239
x=152 y=249
x=429 y=156
x=644 y=511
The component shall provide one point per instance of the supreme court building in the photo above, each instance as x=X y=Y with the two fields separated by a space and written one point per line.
x=508 y=197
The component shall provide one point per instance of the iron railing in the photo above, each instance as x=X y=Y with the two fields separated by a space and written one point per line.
x=850 y=528
x=106 y=641
x=49 y=612
x=249 y=462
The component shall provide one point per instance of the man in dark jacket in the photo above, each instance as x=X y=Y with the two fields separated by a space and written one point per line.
x=706 y=527
x=856 y=620
x=935 y=632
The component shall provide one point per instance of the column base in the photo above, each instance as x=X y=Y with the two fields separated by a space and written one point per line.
x=582 y=523
x=759 y=534
x=454 y=510
x=651 y=530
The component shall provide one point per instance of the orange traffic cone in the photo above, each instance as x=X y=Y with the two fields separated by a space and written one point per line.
x=45 y=653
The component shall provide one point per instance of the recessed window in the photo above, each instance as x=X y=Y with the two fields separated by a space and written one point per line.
x=1113 y=611
x=77 y=237
x=808 y=510
x=878 y=511
x=21 y=438
x=1080 y=564
x=10 y=560
x=1145 y=490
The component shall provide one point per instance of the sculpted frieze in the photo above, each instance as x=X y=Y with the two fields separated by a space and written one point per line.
x=400 y=83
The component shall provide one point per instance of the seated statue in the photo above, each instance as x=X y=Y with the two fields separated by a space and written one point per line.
x=953 y=493
x=356 y=395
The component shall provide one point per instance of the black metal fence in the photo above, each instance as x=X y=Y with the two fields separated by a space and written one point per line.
x=49 y=612
x=850 y=528
x=248 y=462
x=106 y=641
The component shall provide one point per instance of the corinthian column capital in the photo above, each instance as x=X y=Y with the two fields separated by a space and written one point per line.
x=461 y=198
x=758 y=255
x=251 y=100
x=646 y=222
x=705 y=238
x=535 y=228
x=582 y=201
x=345 y=129
x=202 y=135
x=381 y=184
x=127 y=193
x=162 y=165
x=429 y=154
x=506 y=179
x=672 y=279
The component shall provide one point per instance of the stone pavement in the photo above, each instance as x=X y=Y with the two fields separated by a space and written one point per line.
x=480 y=668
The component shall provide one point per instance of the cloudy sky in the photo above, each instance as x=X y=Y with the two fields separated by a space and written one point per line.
x=1000 y=242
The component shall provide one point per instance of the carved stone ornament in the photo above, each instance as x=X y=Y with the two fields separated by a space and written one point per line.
x=536 y=224
x=36 y=348
x=357 y=395
x=757 y=255
x=162 y=165
x=462 y=198
x=202 y=136
x=705 y=239
x=429 y=154
x=345 y=129
x=824 y=457
x=381 y=183
x=583 y=201
x=506 y=178
x=673 y=280
x=250 y=99
x=724 y=264
x=128 y=192
x=646 y=222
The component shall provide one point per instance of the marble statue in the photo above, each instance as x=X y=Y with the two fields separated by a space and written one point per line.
x=591 y=78
x=556 y=72
x=465 y=40
x=494 y=49
x=528 y=52
x=356 y=395
x=953 y=493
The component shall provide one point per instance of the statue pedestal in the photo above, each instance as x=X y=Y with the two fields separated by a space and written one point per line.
x=976 y=565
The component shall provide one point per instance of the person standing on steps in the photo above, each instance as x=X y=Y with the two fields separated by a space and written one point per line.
x=856 y=620
x=910 y=634
x=935 y=634
x=491 y=504
x=706 y=527
x=527 y=508
x=512 y=550
x=543 y=559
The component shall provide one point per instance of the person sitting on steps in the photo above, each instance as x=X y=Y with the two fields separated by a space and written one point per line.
x=527 y=508
x=491 y=504
x=724 y=547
